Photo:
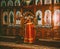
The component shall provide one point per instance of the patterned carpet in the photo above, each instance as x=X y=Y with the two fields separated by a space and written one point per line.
x=11 y=45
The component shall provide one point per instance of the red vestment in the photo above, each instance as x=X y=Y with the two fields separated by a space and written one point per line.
x=29 y=33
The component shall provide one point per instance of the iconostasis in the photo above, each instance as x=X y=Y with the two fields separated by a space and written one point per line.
x=44 y=13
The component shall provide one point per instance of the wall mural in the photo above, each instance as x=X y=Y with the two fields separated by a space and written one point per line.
x=11 y=18
x=39 y=17
x=5 y=17
x=47 y=17
x=56 y=18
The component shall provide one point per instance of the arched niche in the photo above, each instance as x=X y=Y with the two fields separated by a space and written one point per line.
x=47 y=1
x=39 y=17
x=56 y=17
x=11 y=18
x=10 y=3
x=3 y=3
x=18 y=15
x=47 y=17
x=5 y=17
x=17 y=2
x=38 y=2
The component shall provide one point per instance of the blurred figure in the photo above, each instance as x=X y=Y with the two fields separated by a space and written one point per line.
x=29 y=31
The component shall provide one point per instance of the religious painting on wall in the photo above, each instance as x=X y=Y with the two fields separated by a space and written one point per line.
x=56 y=17
x=47 y=1
x=11 y=18
x=18 y=17
x=47 y=18
x=10 y=3
x=3 y=3
x=17 y=2
x=38 y=2
x=39 y=17
x=5 y=17
x=56 y=1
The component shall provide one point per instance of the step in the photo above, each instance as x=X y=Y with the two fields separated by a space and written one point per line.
x=18 y=39
x=7 y=38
